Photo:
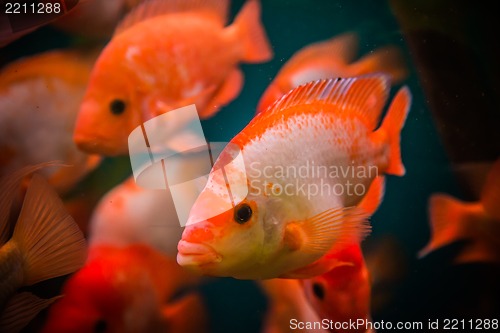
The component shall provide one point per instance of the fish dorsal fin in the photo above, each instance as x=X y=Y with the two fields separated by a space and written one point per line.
x=490 y=195
x=216 y=9
x=364 y=96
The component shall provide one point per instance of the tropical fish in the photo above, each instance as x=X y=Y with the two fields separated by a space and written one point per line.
x=45 y=243
x=39 y=99
x=478 y=223
x=128 y=289
x=285 y=222
x=131 y=214
x=331 y=59
x=288 y=307
x=167 y=54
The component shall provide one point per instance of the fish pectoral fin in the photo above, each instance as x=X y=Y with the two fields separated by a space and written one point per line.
x=49 y=239
x=318 y=267
x=319 y=233
x=21 y=309
x=227 y=92
x=178 y=315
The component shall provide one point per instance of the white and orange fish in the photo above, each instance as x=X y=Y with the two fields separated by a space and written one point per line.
x=300 y=158
x=129 y=289
x=331 y=59
x=478 y=223
x=45 y=243
x=39 y=99
x=167 y=54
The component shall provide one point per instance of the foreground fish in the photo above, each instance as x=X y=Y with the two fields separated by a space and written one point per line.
x=476 y=222
x=285 y=222
x=39 y=100
x=128 y=289
x=167 y=54
x=45 y=243
x=331 y=59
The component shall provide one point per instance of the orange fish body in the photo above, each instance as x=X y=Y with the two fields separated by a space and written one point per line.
x=273 y=233
x=39 y=99
x=331 y=59
x=127 y=289
x=342 y=294
x=179 y=56
x=478 y=223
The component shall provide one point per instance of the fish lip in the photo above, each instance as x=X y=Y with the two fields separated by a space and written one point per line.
x=196 y=254
x=94 y=144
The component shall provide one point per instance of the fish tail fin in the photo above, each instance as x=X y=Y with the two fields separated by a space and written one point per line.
x=256 y=47
x=446 y=216
x=392 y=125
x=490 y=195
x=50 y=241
x=388 y=60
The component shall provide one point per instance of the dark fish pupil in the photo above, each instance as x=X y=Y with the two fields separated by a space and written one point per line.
x=243 y=213
x=318 y=291
x=100 y=326
x=117 y=107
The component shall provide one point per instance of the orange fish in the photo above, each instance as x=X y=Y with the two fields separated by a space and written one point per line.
x=331 y=59
x=128 y=289
x=300 y=158
x=39 y=99
x=167 y=54
x=476 y=222
x=45 y=243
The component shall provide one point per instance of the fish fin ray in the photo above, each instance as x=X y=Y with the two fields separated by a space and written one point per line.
x=50 y=240
x=392 y=125
x=364 y=96
x=215 y=9
x=256 y=46
x=229 y=90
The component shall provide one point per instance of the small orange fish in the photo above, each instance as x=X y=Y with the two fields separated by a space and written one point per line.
x=167 y=54
x=39 y=99
x=45 y=243
x=331 y=59
x=129 y=290
x=280 y=227
x=476 y=222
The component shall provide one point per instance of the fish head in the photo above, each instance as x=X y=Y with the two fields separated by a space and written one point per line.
x=110 y=108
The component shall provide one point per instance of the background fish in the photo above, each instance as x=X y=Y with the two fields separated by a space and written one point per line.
x=273 y=234
x=331 y=59
x=39 y=100
x=167 y=54
x=45 y=243
x=128 y=289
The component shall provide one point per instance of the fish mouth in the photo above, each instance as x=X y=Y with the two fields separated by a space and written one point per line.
x=93 y=144
x=196 y=254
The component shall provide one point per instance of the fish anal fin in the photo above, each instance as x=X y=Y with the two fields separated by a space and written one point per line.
x=373 y=198
x=50 y=240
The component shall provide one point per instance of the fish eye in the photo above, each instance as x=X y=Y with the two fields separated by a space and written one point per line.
x=117 y=106
x=319 y=291
x=100 y=326
x=242 y=213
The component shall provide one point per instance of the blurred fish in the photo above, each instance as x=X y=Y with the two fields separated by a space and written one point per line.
x=129 y=289
x=131 y=214
x=45 y=243
x=39 y=99
x=15 y=25
x=167 y=54
x=331 y=59
x=84 y=21
x=477 y=222
x=274 y=233
x=287 y=302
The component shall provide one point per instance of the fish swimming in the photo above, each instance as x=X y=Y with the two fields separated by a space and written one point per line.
x=39 y=98
x=178 y=56
x=331 y=59
x=45 y=243
x=128 y=289
x=476 y=222
x=279 y=227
